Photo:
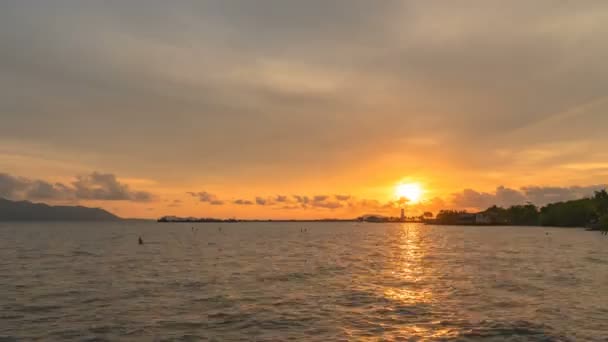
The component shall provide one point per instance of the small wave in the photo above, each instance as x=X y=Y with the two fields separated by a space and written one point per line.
x=189 y=337
x=403 y=310
x=358 y=298
x=284 y=324
x=294 y=276
x=225 y=318
x=92 y=300
x=8 y=339
x=37 y=308
x=176 y=325
x=566 y=279
x=531 y=331
x=188 y=284
x=330 y=269
x=83 y=253
x=596 y=260
x=61 y=294
x=516 y=287
x=103 y=329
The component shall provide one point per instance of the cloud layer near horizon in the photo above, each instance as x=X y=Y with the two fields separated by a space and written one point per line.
x=105 y=187
x=538 y=195
x=466 y=199
x=94 y=186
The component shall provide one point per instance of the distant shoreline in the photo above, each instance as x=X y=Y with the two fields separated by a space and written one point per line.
x=213 y=220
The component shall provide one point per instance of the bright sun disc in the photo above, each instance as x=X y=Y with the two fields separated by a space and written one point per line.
x=410 y=191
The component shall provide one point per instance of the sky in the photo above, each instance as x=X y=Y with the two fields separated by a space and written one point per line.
x=301 y=109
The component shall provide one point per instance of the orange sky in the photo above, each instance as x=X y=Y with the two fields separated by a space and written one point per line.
x=131 y=109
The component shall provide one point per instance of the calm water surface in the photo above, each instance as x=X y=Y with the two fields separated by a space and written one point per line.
x=269 y=281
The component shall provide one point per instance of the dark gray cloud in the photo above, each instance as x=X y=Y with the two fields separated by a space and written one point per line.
x=328 y=204
x=323 y=201
x=538 y=195
x=10 y=186
x=545 y=195
x=105 y=186
x=320 y=198
x=303 y=200
x=281 y=198
x=261 y=201
x=272 y=200
x=95 y=186
x=469 y=198
x=242 y=202
x=342 y=197
x=206 y=197
x=43 y=190
x=300 y=201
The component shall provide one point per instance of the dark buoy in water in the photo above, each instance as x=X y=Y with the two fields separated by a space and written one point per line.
x=140 y=241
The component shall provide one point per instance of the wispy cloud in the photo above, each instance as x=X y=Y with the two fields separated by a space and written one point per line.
x=242 y=202
x=206 y=197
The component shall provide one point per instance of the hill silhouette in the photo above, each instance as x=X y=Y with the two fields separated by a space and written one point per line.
x=28 y=211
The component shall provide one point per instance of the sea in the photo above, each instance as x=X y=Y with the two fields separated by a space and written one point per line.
x=300 y=281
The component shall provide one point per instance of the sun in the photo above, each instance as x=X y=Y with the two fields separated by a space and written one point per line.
x=410 y=191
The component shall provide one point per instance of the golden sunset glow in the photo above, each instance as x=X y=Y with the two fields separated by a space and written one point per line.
x=410 y=191
x=259 y=115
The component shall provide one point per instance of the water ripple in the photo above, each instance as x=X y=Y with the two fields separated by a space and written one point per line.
x=271 y=282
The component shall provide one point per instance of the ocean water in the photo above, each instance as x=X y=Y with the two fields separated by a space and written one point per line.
x=272 y=282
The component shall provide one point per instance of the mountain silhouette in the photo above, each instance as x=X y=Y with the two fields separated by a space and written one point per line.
x=28 y=211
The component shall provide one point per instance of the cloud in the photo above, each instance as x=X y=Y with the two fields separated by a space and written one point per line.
x=261 y=201
x=328 y=205
x=322 y=201
x=298 y=201
x=260 y=70
x=94 y=186
x=303 y=200
x=539 y=195
x=281 y=198
x=10 y=186
x=465 y=199
x=545 y=195
x=320 y=198
x=105 y=186
x=469 y=198
x=175 y=203
x=43 y=190
x=311 y=202
x=242 y=202
x=206 y=197
x=342 y=197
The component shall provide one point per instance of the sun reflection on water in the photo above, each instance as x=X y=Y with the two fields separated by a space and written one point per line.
x=410 y=284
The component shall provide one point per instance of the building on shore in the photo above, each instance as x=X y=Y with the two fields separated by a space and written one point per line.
x=483 y=218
